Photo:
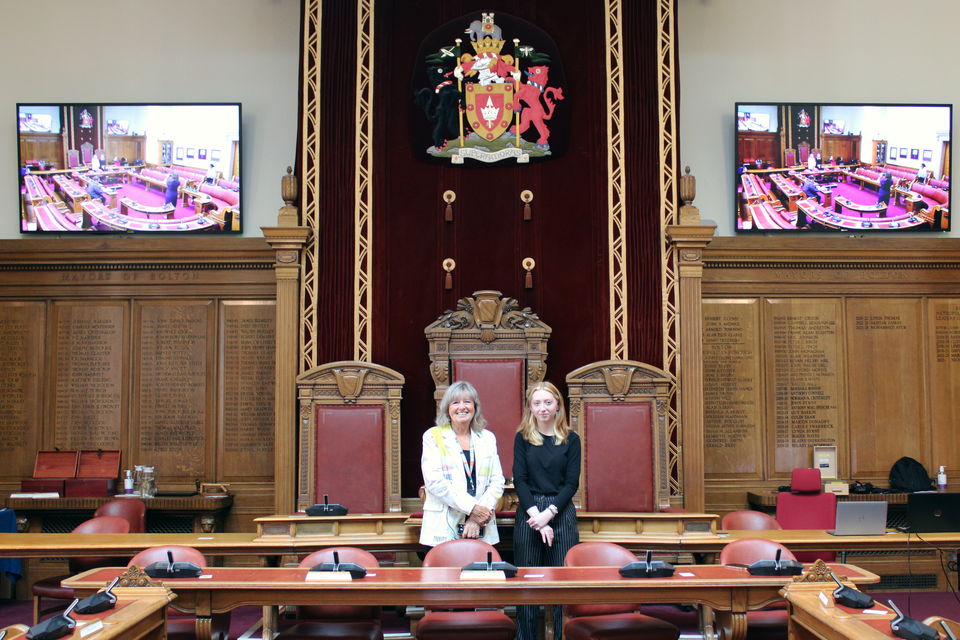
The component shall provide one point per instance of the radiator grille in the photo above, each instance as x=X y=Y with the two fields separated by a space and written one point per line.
x=905 y=582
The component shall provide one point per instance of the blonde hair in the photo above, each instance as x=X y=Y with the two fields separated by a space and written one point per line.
x=528 y=426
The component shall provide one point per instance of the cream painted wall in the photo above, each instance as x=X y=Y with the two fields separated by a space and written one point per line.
x=815 y=50
x=175 y=51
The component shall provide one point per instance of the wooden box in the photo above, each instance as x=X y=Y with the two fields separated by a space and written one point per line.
x=50 y=472
x=97 y=473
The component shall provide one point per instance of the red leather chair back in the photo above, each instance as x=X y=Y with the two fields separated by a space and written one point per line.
x=459 y=553
x=752 y=520
x=807 y=507
x=598 y=554
x=749 y=550
x=340 y=612
x=159 y=554
x=106 y=524
x=130 y=509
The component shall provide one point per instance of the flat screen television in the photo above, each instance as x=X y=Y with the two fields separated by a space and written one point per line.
x=820 y=166
x=129 y=168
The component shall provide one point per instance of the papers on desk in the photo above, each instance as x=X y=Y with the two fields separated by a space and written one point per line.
x=35 y=496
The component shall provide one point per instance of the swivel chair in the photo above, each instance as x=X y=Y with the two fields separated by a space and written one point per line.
x=609 y=621
x=180 y=626
x=806 y=506
x=463 y=625
x=342 y=622
x=50 y=587
x=772 y=620
x=130 y=509
x=749 y=520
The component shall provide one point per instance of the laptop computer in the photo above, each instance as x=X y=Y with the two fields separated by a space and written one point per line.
x=860 y=519
x=933 y=512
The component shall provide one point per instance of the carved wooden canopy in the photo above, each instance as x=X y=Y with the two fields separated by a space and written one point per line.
x=350 y=436
x=500 y=349
x=619 y=409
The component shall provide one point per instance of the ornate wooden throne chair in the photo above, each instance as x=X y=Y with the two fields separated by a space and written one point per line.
x=350 y=436
x=619 y=408
x=498 y=348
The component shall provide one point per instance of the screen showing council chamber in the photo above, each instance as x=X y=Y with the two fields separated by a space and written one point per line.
x=129 y=168
x=842 y=167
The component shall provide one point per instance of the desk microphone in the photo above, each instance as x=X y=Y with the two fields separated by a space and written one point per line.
x=776 y=567
x=648 y=568
x=355 y=570
x=508 y=569
x=99 y=601
x=171 y=569
x=55 y=627
x=850 y=597
x=327 y=509
x=910 y=629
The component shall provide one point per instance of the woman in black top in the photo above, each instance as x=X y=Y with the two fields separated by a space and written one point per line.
x=546 y=474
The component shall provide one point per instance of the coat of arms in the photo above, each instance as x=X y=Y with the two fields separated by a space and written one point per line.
x=489 y=98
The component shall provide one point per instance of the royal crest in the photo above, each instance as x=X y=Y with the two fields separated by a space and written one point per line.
x=86 y=120
x=490 y=97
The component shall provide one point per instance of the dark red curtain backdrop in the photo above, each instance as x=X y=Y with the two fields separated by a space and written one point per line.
x=488 y=238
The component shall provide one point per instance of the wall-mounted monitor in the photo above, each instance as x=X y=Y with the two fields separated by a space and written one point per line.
x=120 y=168
x=815 y=166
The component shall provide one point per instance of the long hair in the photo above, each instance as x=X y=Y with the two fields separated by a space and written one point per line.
x=461 y=390
x=528 y=426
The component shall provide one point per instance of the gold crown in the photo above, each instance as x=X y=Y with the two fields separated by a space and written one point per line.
x=488 y=45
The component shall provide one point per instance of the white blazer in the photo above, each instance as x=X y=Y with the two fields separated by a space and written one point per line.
x=447 y=502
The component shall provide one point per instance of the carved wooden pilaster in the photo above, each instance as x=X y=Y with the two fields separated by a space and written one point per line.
x=688 y=243
x=288 y=242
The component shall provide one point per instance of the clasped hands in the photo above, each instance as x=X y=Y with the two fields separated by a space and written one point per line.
x=478 y=518
x=539 y=521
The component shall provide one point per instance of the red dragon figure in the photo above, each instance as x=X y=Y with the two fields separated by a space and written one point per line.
x=529 y=95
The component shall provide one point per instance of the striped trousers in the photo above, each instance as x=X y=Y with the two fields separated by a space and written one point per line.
x=529 y=550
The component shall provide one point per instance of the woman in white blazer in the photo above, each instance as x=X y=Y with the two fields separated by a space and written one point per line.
x=461 y=471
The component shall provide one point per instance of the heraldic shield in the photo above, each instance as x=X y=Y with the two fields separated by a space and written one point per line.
x=488 y=88
x=489 y=108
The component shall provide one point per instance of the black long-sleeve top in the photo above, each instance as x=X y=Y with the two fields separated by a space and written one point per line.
x=547 y=469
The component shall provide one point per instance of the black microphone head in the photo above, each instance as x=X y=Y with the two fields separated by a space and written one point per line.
x=326 y=499
x=489 y=557
x=170 y=557
x=336 y=557
x=779 y=551
x=649 y=557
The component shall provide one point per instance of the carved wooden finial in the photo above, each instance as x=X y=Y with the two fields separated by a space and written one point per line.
x=289 y=215
x=689 y=214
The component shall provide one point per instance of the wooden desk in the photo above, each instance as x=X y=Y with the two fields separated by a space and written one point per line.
x=206 y=512
x=140 y=614
x=810 y=620
x=731 y=592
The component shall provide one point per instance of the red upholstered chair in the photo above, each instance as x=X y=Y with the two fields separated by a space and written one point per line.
x=749 y=520
x=130 y=509
x=50 y=587
x=774 y=617
x=346 y=622
x=180 y=626
x=613 y=406
x=806 y=506
x=789 y=157
x=609 y=621
x=463 y=625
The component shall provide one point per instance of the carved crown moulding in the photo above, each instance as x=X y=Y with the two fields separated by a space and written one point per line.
x=492 y=315
x=349 y=380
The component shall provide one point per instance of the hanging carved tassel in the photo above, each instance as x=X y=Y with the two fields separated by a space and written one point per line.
x=528 y=264
x=448 y=265
x=526 y=197
x=448 y=197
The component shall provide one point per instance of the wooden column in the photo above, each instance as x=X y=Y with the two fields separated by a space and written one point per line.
x=287 y=240
x=688 y=240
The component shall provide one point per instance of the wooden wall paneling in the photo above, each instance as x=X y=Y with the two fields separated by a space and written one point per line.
x=22 y=352
x=804 y=368
x=733 y=401
x=89 y=374
x=886 y=385
x=42 y=146
x=942 y=329
x=174 y=405
x=247 y=382
x=764 y=145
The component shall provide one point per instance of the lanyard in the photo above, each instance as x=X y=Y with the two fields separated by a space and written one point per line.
x=468 y=459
